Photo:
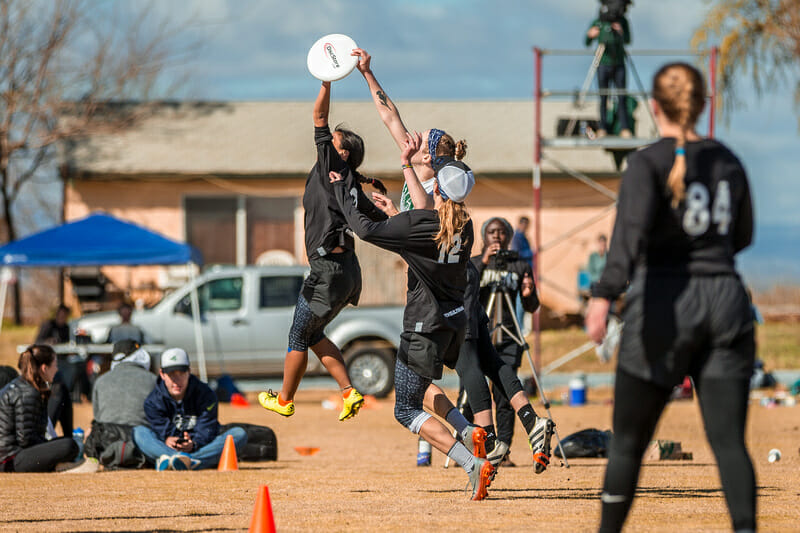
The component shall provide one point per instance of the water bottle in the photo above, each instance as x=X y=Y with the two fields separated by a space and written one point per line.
x=577 y=390
x=77 y=435
x=424 y=453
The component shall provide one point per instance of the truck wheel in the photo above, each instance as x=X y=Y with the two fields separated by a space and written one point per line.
x=371 y=371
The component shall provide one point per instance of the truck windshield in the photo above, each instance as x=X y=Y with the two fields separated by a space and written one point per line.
x=224 y=294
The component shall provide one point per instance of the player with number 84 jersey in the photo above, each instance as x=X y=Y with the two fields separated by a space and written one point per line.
x=699 y=236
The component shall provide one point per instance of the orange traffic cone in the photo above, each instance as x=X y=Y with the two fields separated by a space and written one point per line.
x=262 y=521
x=228 y=462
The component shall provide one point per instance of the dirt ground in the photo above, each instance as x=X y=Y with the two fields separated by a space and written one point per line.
x=364 y=478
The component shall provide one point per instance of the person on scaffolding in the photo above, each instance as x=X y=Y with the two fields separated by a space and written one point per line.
x=612 y=32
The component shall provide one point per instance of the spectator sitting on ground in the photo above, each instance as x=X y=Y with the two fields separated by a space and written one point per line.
x=23 y=419
x=7 y=375
x=118 y=405
x=183 y=432
x=597 y=259
x=125 y=329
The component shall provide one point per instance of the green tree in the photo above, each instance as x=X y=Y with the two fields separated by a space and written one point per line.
x=759 y=39
x=61 y=63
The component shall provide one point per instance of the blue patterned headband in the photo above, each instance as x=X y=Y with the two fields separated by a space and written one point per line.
x=433 y=142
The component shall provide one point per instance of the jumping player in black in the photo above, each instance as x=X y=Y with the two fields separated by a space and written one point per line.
x=335 y=278
x=684 y=211
x=436 y=245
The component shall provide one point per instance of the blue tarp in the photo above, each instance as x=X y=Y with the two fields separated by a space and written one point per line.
x=97 y=240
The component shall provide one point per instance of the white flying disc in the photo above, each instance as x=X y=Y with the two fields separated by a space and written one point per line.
x=330 y=60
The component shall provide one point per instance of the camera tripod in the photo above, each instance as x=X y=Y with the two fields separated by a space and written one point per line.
x=495 y=309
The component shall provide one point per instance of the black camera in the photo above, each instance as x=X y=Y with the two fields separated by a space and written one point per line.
x=503 y=257
x=613 y=10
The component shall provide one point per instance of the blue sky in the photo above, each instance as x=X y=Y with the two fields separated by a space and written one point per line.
x=469 y=49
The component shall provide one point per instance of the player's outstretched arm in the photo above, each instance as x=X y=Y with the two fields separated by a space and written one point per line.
x=322 y=105
x=386 y=108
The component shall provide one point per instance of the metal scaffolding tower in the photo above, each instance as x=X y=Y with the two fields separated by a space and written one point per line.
x=612 y=144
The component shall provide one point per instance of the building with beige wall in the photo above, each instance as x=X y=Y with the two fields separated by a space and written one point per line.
x=229 y=177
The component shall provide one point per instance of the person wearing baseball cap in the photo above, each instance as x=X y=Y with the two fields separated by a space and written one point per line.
x=436 y=244
x=118 y=405
x=183 y=430
x=454 y=178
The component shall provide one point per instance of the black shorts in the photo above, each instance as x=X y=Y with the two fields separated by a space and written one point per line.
x=700 y=326
x=426 y=353
x=334 y=282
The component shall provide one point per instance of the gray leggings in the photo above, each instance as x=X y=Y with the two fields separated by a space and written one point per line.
x=410 y=390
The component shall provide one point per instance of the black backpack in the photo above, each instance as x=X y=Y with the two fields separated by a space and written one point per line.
x=112 y=445
x=585 y=443
x=262 y=445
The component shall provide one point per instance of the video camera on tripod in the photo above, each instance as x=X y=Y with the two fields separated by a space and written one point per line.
x=502 y=257
x=613 y=10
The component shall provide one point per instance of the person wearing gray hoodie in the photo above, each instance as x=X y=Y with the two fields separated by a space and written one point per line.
x=119 y=395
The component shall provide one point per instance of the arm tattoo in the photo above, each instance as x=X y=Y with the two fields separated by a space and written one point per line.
x=382 y=97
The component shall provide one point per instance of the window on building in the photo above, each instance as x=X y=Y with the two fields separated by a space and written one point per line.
x=270 y=225
x=211 y=226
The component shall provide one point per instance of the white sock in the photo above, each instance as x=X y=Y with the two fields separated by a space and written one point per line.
x=461 y=455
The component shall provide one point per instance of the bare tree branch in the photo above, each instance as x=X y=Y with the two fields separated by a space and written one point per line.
x=64 y=65
x=759 y=39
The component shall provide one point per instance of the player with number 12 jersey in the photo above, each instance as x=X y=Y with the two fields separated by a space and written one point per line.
x=436 y=276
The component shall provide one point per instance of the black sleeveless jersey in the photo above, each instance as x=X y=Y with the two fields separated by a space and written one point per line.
x=698 y=237
x=436 y=277
x=325 y=226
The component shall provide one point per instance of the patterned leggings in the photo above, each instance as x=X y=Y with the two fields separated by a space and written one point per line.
x=410 y=390
x=307 y=328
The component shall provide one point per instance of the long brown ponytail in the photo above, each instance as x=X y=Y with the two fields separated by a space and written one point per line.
x=680 y=91
x=29 y=362
x=453 y=216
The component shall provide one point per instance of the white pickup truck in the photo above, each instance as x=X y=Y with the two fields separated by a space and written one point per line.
x=246 y=313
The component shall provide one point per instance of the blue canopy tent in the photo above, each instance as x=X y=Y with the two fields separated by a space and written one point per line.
x=97 y=240
x=101 y=240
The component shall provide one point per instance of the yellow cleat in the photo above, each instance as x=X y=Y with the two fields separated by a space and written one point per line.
x=351 y=404
x=269 y=400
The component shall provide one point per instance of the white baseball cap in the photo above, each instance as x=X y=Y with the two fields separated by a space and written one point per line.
x=174 y=359
x=455 y=179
